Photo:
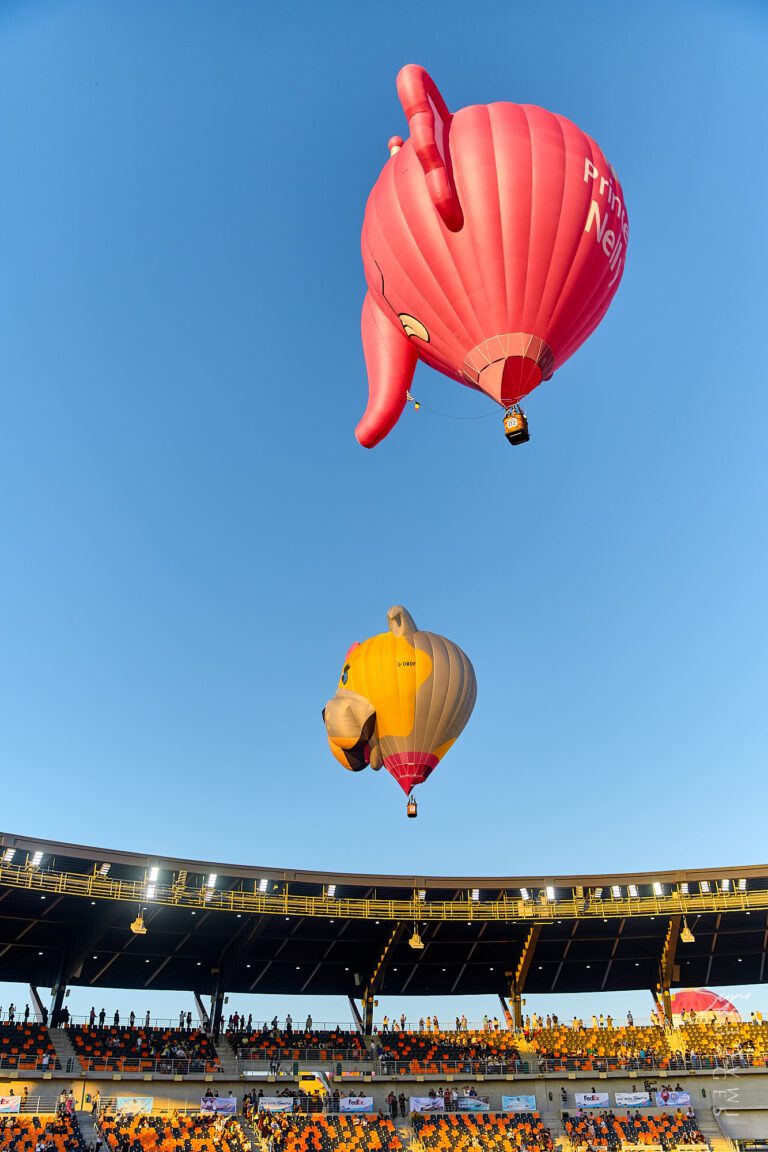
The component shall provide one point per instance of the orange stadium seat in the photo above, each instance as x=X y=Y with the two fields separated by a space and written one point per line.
x=24 y=1046
x=505 y=1133
x=329 y=1133
x=164 y=1050
x=175 y=1133
x=22 y=1133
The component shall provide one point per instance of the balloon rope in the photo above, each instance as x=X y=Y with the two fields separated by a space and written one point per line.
x=449 y=416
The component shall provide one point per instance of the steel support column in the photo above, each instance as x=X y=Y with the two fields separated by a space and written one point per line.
x=669 y=971
x=519 y=976
x=373 y=982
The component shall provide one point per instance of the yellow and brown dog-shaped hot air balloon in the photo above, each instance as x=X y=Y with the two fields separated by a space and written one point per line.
x=403 y=698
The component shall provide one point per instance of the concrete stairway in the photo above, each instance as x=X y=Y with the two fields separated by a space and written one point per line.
x=712 y=1131
x=528 y=1053
x=227 y=1058
x=406 y=1133
x=87 y=1124
x=251 y=1134
x=70 y=1065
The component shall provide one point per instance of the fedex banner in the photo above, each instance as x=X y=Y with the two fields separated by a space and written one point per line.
x=10 y=1103
x=427 y=1104
x=518 y=1103
x=633 y=1099
x=225 y=1105
x=592 y=1099
x=356 y=1104
x=471 y=1104
x=275 y=1104
x=664 y=1098
x=134 y=1104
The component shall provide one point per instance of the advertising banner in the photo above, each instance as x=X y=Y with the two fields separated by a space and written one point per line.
x=356 y=1104
x=518 y=1103
x=592 y=1100
x=134 y=1104
x=426 y=1104
x=275 y=1104
x=10 y=1103
x=224 y=1105
x=664 y=1098
x=633 y=1099
x=471 y=1104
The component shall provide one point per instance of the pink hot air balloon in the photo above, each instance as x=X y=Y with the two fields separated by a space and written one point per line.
x=493 y=243
x=705 y=1003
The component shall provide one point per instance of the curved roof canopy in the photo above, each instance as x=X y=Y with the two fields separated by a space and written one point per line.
x=65 y=914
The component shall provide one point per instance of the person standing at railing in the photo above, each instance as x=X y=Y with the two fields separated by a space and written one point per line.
x=147 y=1019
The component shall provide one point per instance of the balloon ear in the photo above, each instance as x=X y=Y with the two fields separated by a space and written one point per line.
x=429 y=121
x=400 y=621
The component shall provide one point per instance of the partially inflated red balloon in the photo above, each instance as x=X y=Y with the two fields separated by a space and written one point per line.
x=493 y=243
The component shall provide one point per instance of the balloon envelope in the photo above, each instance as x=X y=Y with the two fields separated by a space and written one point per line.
x=402 y=700
x=493 y=243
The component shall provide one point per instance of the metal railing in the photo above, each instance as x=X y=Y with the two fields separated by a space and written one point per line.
x=40 y=1105
x=676 y=1063
x=39 y=1064
x=299 y=1027
x=440 y=1066
x=285 y=1056
x=125 y=1022
x=149 y=1065
x=258 y=1066
x=577 y=904
x=587 y=1063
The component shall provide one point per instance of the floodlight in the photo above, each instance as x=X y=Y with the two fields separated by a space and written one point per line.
x=686 y=935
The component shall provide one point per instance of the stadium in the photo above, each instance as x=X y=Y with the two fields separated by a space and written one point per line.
x=76 y=916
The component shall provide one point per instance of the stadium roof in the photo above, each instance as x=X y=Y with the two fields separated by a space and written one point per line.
x=66 y=910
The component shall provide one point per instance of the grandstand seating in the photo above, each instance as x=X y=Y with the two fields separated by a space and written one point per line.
x=331 y=1133
x=606 y=1130
x=433 y=1053
x=168 y=1133
x=22 y=1133
x=143 y=1049
x=457 y=1132
x=595 y=1049
x=704 y=1041
x=275 y=1044
x=24 y=1046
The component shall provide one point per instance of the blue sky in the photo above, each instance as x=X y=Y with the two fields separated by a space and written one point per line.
x=191 y=536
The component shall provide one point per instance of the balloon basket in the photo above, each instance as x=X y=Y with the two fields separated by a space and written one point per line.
x=411 y=809
x=516 y=426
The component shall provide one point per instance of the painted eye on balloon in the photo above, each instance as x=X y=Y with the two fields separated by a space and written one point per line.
x=413 y=327
x=345 y=674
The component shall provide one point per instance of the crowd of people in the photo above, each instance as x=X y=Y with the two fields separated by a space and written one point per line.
x=281 y=1132
x=589 y=1130
x=185 y=1050
x=523 y=1131
x=41 y=1133
x=153 y=1133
